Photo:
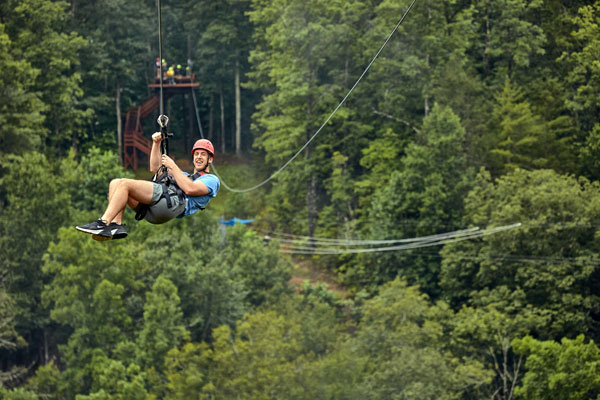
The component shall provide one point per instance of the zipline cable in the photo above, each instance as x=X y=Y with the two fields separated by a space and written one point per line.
x=159 y=7
x=284 y=166
x=584 y=260
x=333 y=251
x=162 y=120
x=196 y=110
x=410 y=245
x=312 y=244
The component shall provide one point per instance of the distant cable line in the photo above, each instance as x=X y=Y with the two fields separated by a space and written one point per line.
x=415 y=245
x=298 y=239
x=515 y=257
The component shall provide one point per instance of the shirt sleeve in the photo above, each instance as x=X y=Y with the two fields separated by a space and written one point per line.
x=212 y=183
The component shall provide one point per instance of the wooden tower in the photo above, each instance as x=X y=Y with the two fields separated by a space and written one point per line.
x=134 y=140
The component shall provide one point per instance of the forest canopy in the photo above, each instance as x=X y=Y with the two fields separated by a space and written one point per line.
x=475 y=115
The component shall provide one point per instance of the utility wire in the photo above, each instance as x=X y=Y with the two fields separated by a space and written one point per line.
x=353 y=242
x=514 y=257
x=301 y=239
x=284 y=166
x=416 y=245
x=196 y=109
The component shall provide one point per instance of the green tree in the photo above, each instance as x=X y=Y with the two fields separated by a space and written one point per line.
x=400 y=351
x=18 y=394
x=582 y=81
x=163 y=327
x=548 y=266
x=297 y=44
x=566 y=370
x=509 y=35
x=520 y=139
x=400 y=88
x=215 y=296
x=47 y=382
x=221 y=36
x=583 y=77
x=337 y=218
x=41 y=37
x=90 y=179
x=35 y=205
x=423 y=198
x=255 y=361
x=117 y=64
x=264 y=273
x=591 y=153
x=486 y=333
x=115 y=379
x=9 y=338
x=384 y=154
x=187 y=370
x=268 y=354
x=96 y=295
x=21 y=109
x=190 y=250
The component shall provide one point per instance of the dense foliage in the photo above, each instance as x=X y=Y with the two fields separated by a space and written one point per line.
x=476 y=113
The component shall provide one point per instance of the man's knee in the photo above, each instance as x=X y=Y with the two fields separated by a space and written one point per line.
x=115 y=183
x=125 y=182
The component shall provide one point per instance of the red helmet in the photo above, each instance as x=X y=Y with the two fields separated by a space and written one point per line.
x=204 y=144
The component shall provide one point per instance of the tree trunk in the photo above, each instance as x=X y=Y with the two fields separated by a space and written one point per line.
x=74 y=143
x=191 y=111
x=222 y=104
x=46 y=352
x=238 y=110
x=119 y=123
x=191 y=117
x=211 y=121
x=486 y=60
x=311 y=188
x=426 y=94
x=311 y=205
x=186 y=133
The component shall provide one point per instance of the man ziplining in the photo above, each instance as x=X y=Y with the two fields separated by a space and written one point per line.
x=174 y=195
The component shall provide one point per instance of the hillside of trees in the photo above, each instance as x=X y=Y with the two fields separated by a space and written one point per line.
x=476 y=114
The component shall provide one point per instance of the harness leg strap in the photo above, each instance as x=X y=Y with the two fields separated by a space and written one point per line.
x=166 y=195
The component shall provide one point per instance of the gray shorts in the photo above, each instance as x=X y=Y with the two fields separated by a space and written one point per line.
x=158 y=212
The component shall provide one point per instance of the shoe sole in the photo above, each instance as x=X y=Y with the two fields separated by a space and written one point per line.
x=101 y=238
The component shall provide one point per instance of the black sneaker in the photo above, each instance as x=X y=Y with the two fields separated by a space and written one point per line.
x=112 y=231
x=94 y=228
x=120 y=233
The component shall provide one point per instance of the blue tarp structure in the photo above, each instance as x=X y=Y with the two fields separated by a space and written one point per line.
x=234 y=220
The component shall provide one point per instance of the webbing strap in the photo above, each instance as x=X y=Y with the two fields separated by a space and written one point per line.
x=166 y=195
x=165 y=181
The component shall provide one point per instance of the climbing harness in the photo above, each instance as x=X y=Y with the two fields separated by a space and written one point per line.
x=162 y=176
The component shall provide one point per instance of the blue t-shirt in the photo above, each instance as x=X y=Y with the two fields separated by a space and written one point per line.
x=195 y=203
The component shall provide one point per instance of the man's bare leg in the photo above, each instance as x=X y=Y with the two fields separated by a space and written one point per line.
x=111 y=190
x=123 y=192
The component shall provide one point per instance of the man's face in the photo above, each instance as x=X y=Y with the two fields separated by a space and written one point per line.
x=201 y=158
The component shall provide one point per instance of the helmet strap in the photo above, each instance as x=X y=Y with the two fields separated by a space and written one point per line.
x=206 y=169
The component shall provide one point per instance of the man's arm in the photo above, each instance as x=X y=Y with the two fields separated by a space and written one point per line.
x=196 y=188
x=155 y=152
